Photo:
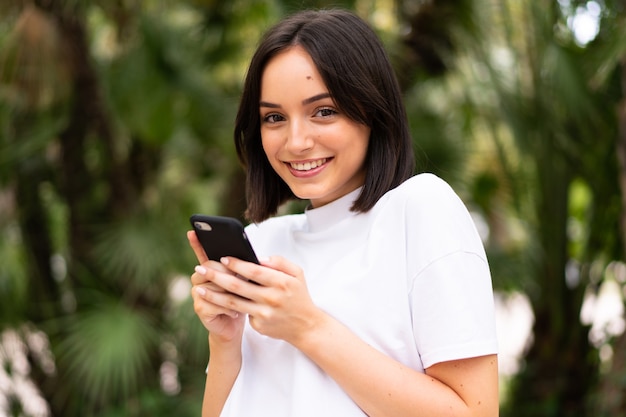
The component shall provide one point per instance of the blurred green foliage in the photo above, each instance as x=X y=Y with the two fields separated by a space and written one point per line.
x=116 y=125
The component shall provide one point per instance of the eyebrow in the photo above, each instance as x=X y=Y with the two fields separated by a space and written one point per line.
x=304 y=102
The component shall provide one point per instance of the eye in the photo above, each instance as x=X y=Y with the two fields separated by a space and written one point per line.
x=325 y=112
x=273 y=118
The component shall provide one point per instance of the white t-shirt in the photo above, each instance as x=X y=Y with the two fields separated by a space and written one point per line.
x=409 y=277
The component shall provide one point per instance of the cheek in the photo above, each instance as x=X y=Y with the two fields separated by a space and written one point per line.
x=360 y=143
x=270 y=149
x=266 y=144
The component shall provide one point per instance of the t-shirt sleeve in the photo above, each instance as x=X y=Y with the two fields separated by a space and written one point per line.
x=450 y=286
x=453 y=309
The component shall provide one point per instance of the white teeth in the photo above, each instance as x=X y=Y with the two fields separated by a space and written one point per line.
x=307 y=166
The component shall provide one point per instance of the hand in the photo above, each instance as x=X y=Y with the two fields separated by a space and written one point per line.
x=277 y=300
x=222 y=323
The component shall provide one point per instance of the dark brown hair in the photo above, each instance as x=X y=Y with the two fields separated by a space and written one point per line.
x=356 y=70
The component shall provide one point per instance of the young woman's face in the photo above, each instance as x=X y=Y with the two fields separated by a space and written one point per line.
x=317 y=150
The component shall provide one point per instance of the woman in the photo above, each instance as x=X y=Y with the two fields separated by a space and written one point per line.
x=377 y=300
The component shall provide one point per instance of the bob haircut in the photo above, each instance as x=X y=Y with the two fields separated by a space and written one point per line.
x=356 y=70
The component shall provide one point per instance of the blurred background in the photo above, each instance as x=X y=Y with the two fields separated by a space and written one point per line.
x=116 y=124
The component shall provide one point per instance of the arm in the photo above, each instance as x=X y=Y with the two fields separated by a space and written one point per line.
x=281 y=308
x=384 y=387
x=224 y=366
x=225 y=328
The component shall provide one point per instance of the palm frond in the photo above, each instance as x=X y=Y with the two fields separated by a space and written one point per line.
x=108 y=349
x=13 y=276
x=139 y=250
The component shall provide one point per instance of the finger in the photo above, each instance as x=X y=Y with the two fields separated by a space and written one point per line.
x=196 y=246
x=229 y=298
x=249 y=271
x=204 y=308
x=207 y=286
x=283 y=265
x=206 y=272
x=201 y=275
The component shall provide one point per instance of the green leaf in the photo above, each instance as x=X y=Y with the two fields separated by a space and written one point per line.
x=108 y=349
x=13 y=275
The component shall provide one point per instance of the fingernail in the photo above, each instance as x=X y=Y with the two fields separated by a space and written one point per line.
x=200 y=269
x=224 y=260
x=264 y=259
x=201 y=290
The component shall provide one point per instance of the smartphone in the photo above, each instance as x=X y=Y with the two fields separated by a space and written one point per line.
x=222 y=236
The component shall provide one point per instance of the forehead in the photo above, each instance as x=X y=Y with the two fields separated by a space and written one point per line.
x=290 y=69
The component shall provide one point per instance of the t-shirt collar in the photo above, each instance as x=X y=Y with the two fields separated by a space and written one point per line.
x=330 y=214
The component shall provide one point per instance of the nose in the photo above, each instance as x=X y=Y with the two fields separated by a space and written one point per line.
x=299 y=137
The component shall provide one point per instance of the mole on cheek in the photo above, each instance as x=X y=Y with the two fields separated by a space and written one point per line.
x=308 y=77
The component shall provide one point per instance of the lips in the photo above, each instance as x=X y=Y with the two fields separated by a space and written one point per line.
x=308 y=165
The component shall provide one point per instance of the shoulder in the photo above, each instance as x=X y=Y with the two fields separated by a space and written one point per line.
x=424 y=192
x=433 y=215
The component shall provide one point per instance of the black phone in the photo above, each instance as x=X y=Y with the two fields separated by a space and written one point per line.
x=222 y=236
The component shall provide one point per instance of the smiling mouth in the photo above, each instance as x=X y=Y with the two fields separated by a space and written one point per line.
x=307 y=166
